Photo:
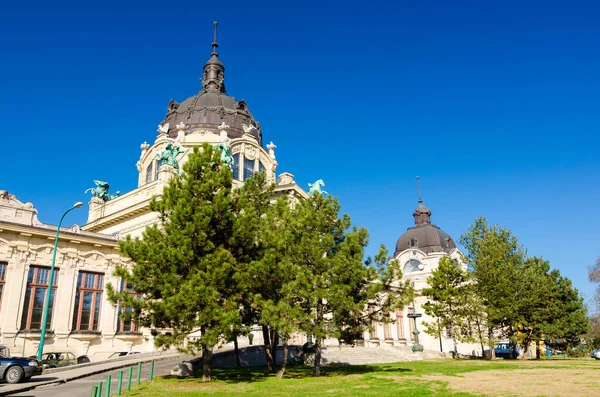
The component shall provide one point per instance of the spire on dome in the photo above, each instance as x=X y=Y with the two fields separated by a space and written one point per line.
x=422 y=214
x=213 y=79
x=215 y=44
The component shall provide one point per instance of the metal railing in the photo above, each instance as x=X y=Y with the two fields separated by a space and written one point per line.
x=97 y=390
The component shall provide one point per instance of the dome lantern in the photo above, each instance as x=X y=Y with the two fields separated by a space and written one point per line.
x=424 y=235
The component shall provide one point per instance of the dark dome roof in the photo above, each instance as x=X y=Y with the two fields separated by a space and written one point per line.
x=209 y=110
x=424 y=236
x=212 y=106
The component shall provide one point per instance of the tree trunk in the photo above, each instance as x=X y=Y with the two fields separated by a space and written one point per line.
x=455 y=344
x=538 y=350
x=236 y=352
x=268 y=355
x=275 y=342
x=491 y=344
x=206 y=363
x=453 y=333
x=317 y=369
x=285 y=354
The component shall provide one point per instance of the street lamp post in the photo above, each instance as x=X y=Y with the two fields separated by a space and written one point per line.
x=51 y=282
x=416 y=347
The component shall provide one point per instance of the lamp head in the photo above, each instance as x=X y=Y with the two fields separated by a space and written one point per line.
x=421 y=267
x=78 y=204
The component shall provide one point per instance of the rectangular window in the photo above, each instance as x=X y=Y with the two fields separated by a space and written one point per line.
x=387 y=331
x=2 y=279
x=248 y=168
x=235 y=167
x=261 y=167
x=35 y=298
x=86 y=314
x=373 y=328
x=400 y=324
x=128 y=324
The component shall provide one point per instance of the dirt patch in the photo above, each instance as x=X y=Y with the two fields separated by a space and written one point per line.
x=549 y=382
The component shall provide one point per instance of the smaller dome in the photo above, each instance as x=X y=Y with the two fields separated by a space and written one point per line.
x=424 y=236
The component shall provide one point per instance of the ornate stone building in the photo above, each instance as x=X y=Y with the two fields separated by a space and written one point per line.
x=419 y=251
x=82 y=321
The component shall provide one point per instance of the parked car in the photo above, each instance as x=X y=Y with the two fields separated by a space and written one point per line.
x=18 y=369
x=122 y=354
x=62 y=359
x=596 y=354
x=503 y=350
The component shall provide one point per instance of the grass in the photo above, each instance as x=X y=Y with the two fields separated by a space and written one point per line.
x=422 y=378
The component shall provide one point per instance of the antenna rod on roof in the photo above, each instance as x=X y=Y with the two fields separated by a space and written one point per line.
x=419 y=189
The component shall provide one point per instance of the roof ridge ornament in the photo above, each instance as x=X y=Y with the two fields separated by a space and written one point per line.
x=419 y=189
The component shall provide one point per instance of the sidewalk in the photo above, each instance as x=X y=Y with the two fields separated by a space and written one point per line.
x=67 y=374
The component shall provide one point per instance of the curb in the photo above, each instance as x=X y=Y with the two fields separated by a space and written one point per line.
x=75 y=377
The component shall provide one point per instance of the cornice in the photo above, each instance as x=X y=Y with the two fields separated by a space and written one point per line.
x=50 y=233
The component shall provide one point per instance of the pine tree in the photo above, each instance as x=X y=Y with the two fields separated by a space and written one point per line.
x=333 y=285
x=185 y=266
x=446 y=289
x=567 y=318
x=495 y=258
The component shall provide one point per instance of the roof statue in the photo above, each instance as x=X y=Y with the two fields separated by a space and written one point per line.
x=226 y=156
x=163 y=128
x=316 y=187
x=101 y=191
x=169 y=155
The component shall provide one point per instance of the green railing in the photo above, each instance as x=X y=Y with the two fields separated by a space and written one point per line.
x=97 y=390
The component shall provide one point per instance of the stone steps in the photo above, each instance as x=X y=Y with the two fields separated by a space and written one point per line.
x=368 y=355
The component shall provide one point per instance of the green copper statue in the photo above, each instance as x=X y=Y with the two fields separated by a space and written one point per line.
x=169 y=155
x=101 y=191
x=316 y=187
x=226 y=156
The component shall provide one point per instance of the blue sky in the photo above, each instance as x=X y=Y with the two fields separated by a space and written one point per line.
x=493 y=104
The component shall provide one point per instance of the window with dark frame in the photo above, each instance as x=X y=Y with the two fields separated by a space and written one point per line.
x=127 y=325
x=248 y=168
x=2 y=279
x=38 y=278
x=235 y=167
x=88 y=300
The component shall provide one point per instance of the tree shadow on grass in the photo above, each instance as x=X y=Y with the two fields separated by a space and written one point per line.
x=260 y=374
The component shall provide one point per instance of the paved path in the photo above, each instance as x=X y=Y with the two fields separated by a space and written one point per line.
x=79 y=381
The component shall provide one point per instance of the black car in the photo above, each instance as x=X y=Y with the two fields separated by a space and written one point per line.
x=18 y=369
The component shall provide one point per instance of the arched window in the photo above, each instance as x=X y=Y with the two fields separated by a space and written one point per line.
x=157 y=168
x=248 y=168
x=412 y=266
x=235 y=167
x=149 y=172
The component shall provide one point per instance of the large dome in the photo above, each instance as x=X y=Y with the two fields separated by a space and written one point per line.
x=424 y=236
x=212 y=107
x=208 y=110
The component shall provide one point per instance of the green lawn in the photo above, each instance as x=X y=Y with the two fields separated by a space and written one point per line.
x=424 y=378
